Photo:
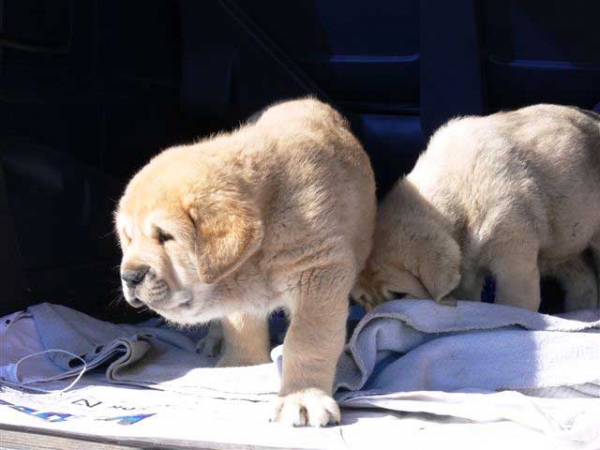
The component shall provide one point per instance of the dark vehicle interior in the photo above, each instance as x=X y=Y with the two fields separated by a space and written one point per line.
x=90 y=90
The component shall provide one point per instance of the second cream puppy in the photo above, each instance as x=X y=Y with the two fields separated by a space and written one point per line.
x=511 y=195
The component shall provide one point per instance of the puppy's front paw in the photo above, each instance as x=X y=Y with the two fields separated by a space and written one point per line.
x=308 y=407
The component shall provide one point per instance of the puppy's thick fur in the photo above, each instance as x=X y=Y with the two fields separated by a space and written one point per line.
x=279 y=213
x=512 y=194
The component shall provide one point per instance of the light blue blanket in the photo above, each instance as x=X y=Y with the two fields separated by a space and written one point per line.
x=402 y=346
x=416 y=345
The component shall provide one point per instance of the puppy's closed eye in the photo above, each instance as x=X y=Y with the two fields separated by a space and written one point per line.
x=162 y=236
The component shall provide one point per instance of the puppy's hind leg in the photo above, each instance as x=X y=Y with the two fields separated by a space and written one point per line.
x=211 y=344
x=515 y=268
x=578 y=280
x=246 y=340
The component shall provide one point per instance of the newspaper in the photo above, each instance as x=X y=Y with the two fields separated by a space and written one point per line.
x=95 y=409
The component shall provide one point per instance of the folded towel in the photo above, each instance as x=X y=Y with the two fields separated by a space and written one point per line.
x=418 y=345
x=149 y=355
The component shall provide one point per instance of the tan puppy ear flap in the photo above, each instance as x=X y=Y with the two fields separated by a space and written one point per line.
x=228 y=232
x=439 y=266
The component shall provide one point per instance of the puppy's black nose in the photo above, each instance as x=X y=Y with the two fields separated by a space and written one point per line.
x=133 y=277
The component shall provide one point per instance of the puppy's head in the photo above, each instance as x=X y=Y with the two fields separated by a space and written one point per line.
x=413 y=255
x=184 y=227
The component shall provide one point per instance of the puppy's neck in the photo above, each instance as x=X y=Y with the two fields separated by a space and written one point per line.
x=428 y=207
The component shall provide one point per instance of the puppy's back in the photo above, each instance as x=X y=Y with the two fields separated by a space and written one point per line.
x=321 y=171
x=543 y=161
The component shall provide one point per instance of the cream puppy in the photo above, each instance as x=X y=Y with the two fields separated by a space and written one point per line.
x=513 y=194
x=279 y=213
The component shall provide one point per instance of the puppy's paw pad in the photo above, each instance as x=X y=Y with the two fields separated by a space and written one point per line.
x=210 y=346
x=312 y=407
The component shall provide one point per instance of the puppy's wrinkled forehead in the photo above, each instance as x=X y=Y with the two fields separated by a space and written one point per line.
x=134 y=222
x=150 y=210
x=175 y=185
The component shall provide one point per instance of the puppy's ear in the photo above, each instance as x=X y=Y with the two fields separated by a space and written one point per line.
x=228 y=232
x=439 y=266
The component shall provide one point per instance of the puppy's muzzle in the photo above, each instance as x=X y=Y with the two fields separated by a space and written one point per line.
x=133 y=277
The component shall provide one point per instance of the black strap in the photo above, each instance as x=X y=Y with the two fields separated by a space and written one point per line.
x=279 y=55
x=286 y=62
x=15 y=295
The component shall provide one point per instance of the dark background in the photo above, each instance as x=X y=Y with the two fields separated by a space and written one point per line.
x=91 y=89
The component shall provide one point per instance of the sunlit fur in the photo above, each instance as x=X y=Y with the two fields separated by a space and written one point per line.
x=279 y=213
x=512 y=195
